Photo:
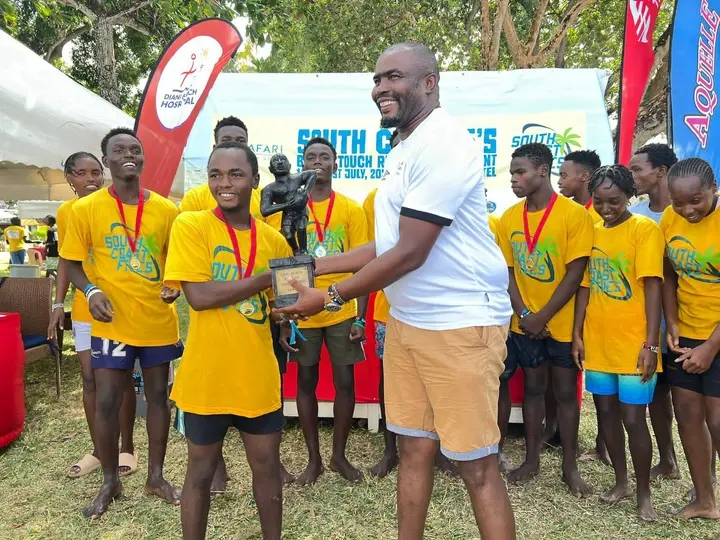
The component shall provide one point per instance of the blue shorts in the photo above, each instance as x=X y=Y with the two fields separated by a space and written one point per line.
x=629 y=388
x=110 y=354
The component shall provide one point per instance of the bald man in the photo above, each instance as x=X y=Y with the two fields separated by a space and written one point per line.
x=450 y=308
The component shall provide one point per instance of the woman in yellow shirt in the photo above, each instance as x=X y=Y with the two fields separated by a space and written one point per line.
x=616 y=334
x=691 y=300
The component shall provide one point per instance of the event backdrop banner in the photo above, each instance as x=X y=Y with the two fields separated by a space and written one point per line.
x=502 y=110
x=693 y=94
x=637 y=62
x=175 y=93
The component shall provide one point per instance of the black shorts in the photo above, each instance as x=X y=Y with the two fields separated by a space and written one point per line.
x=532 y=353
x=707 y=384
x=280 y=353
x=662 y=375
x=202 y=429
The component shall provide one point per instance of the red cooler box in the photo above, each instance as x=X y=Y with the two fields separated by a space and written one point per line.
x=12 y=384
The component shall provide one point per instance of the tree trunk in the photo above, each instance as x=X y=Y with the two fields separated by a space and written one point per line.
x=105 y=60
x=560 y=53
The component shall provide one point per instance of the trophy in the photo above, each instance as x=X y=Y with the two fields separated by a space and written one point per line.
x=289 y=194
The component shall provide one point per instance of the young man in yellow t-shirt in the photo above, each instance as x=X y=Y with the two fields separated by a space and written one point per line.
x=336 y=224
x=15 y=238
x=232 y=129
x=228 y=375
x=546 y=241
x=127 y=229
x=84 y=173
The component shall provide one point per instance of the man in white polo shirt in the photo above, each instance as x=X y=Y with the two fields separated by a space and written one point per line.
x=446 y=281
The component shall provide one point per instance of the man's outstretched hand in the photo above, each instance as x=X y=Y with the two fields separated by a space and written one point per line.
x=310 y=302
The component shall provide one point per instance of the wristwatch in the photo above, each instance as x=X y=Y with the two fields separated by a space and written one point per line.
x=333 y=301
x=56 y=306
x=651 y=348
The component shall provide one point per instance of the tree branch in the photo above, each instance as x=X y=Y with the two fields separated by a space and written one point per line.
x=89 y=13
x=501 y=16
x=565 y=23
x=534 y=33
x=486 y=31
x=55 y=50
x=113 y=17
x=134 y=24
x=517 y=49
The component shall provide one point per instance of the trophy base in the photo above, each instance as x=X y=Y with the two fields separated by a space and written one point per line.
x=300 y=268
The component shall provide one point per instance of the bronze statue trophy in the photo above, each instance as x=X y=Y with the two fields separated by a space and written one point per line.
x=289 y=194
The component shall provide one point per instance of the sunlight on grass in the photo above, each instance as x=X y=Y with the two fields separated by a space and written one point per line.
x=38 y=501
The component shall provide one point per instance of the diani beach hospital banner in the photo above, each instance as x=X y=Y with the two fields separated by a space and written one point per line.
x=564 y=109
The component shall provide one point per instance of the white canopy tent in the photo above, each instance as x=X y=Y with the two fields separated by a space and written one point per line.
x=44 y=117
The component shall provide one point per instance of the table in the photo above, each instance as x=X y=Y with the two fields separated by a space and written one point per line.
x=12 y=384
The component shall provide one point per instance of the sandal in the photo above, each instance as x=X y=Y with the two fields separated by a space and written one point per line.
x=87 y=464
x=129 y=461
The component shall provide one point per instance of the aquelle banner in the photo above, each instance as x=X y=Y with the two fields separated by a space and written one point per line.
x=693 y=94
x=564 y=109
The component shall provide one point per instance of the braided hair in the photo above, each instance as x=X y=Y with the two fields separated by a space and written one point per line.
x=693 y=167
x=73 y=158
x=617 y=175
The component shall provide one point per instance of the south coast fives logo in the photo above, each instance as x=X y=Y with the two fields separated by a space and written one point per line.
x=184 y=80
x=561 y=143
x=693 y=264
x=147 y=252
x=607 y=274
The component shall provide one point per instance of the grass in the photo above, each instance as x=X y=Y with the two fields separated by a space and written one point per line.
x=39 y=502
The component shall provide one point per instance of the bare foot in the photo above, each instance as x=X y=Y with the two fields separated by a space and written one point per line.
x=668 y=471
x=342 y=465
x=617 y=493
x=524 y=473
x=164 y=490
x=218 y=486
x=107 y=494
x=386 y=464
x=446 y=466
x=310 y=476
x=503 y=462
x=695 y=510
x=285 y=476
x=577 y=485
x=646 y=512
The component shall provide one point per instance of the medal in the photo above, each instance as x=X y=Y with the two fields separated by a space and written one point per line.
x=532 y=241
x=132 y=242
x=247 y=308
x=320 y=229
x=236 y=249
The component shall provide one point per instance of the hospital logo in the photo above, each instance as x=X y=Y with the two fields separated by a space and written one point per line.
x=184 y=79
x=560 y=143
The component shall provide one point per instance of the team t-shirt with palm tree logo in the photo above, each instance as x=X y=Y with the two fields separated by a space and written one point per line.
x=140 y=317
x=566 y=236
x=693 y=250
x=228 y=366
x=615 y=321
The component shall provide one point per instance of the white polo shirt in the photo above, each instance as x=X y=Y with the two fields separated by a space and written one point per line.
x=436 y=175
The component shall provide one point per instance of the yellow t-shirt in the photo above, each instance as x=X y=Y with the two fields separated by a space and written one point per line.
x=596 y=218
x=494 y=222
x=381 y=309
x=200 y=198
x=347 y=230
x=80 y=309
x=693 y=250
x=615 y=322
x=229 y=366
x=141 y=318
x=14 y=235
x=567 y=235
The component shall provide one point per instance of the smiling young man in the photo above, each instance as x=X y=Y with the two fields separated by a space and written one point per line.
x=220 y=259
x=127 y=228
x=546 y=241
x=650 y=165
x=336 y=224
x=450 y=308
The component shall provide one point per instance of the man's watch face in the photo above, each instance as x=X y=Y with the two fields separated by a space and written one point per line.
x=332 y=307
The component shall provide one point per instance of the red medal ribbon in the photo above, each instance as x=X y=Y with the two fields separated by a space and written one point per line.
x=532 y=241
x=132 y=242
x=588 y=204
x=320 y=229
x=236 y=246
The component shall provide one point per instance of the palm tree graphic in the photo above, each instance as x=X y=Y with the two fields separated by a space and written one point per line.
x=546 y=247
x=151 y=244
x=567 y=140
x=619 y=263
x=710 y=257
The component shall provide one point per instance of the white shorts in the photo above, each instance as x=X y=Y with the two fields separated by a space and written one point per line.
x=81 y=332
